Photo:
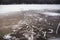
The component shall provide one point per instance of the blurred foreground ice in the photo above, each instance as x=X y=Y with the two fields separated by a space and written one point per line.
x=54 y=39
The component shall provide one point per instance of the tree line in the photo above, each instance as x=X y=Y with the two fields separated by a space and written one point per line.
x=29 y=1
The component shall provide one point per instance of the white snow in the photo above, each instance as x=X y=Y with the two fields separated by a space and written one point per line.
x=19 y=7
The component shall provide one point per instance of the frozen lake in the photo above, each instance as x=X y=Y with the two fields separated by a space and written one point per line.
x=22 y=7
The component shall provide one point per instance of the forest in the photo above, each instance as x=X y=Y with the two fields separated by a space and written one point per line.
x=29 y=1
